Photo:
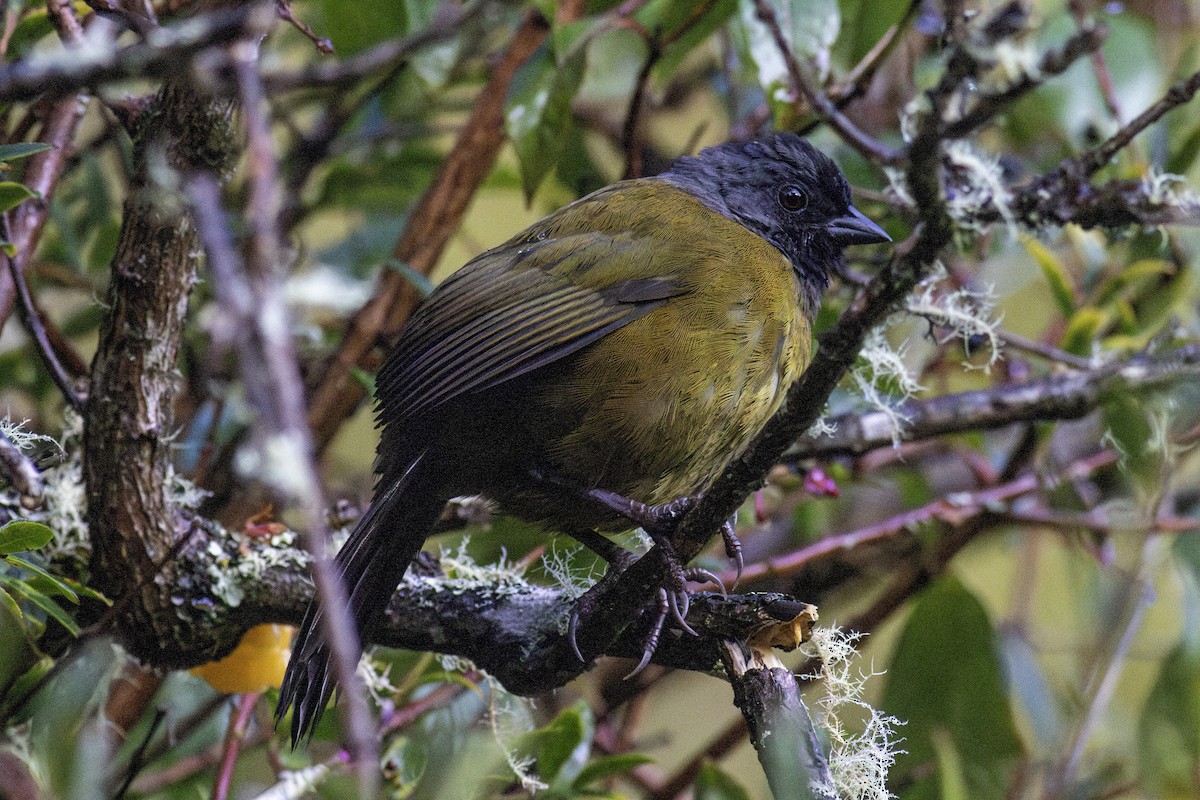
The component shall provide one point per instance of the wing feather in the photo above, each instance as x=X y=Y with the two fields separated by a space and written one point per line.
x=509 y=311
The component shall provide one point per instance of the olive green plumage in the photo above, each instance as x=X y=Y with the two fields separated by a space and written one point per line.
x=634 y=341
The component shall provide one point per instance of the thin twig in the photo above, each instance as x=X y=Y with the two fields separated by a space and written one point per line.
x=250 y=295
x=37 y=331
x=235 y=736
x=656 y=45
x=1107 y=669
x=1095 y=159
x=382 y=57
x=856 y=81
x=440 y=697
x=1018 y=342
x=964 y=506
x=42 y=173
x=70 y=72
x=138 y=759
x=1104 y=77
x=1069 y=395
x=430 y=225
x=871 y=148
x=631 y=138
x=1054 y=62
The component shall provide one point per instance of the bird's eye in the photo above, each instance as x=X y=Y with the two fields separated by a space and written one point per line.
x=793 y=198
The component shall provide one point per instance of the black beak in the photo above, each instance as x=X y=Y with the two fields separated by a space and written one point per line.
x=854 y=228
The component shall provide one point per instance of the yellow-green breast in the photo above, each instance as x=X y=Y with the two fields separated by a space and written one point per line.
x=659 y=407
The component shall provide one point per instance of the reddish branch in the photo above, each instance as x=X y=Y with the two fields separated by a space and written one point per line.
x=436 y=216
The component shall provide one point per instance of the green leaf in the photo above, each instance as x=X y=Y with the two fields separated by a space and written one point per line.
x=685 y=24
x=1055 y=274
x=403 y=765
x=9 y=604
x=946 y=677
x=1155 y=305
x=1169 y=736
x=599 y=769
x=11 y=152
x=434 y=63
x=1184 y=155
x=41 y=601
x=1030 y=687
x=85 y=591
x=12 y=194
x=537 y=114
x=1127 y=417
x=418 y=280
x=56 y=585
x=33 y=27
x=713 y=783
x=562 y=747
x=27 y=681
x=952 y=782
x=1083 y=329
x=370 y=22
x=17 y=651
x=1186 y=551
x=22 y=534
x=809 y=26
x=1132 y=280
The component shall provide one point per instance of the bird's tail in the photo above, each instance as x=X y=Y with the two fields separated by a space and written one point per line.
x=370 y=564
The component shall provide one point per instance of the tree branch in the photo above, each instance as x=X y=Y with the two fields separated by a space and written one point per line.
x=69 y=71
x=1058 y=397
x=431 y=223
x=140 y=536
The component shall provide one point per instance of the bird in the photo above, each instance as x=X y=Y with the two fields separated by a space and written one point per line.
x=626 y=347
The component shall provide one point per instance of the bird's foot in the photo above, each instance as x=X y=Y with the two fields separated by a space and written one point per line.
x=673 y=599
x=617 y=557
x=657 y=521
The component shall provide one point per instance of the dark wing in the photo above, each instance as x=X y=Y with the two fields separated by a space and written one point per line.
x=510 y=311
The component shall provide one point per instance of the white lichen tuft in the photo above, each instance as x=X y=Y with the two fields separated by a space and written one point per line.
x=26 y=440
x=1171 y=190
x=462 y=570
x=883 y=381
x=1011 y=62
x=510 y=718
x=182 y=492
x=232 y=566
x=64 y=500
x=294 y=784
x=965 y=313
x=978 y=187
x=563 y=566
x=859 y=760
x=375 y=675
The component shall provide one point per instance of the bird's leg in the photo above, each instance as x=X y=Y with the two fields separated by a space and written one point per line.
x=655 y=520
x=617 y=557
x=658 y=522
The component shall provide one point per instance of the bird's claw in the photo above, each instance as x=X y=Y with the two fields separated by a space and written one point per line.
x=572 y=633
x=733 y=548
x=651 y=642
x=701 y=575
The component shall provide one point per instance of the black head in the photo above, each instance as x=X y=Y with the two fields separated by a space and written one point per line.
x=786 y=191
